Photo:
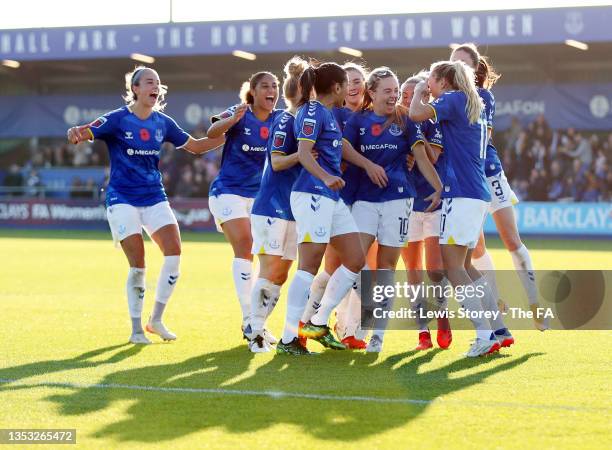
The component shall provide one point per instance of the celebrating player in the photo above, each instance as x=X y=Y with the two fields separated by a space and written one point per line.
x=348 y=312
x=272 y=223
x=321 y=216
x=246 y=128
x=386 y=136
x=502 y=196
x=135 y=196
x=460 y=112
x=424 y=229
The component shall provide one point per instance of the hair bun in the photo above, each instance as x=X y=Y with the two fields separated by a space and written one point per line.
x=295 y=66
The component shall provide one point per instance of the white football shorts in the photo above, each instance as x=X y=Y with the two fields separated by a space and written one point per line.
x=423 y=225
x=126 y=220
x=502 y=195
x=274 y=236
x=387 y=221
x=226 y=207
x=461 y=221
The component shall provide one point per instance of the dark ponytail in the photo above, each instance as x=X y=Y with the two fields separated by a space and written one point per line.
x=322 y=78
x=307 y=83
x=486 y=76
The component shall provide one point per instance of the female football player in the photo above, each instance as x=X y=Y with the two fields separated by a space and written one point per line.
x=320 y=214
x=502 y=196
x=386 y=136
x=424 y=229
x=272 y=223
x=460 y=112
x=135 y=196
x=348 y=313
x=246 y=128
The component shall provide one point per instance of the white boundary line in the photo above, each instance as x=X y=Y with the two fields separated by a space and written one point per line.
x=283 y=395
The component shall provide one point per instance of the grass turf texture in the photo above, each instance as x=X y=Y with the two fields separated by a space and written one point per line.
x=64 y=320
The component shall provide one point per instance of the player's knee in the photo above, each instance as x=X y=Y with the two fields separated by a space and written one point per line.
x=512 y=243
x=355 y=262
x=435 y=275
x=136 y=278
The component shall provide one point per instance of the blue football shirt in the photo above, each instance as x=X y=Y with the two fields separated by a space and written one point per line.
x=386 y=146
x=244 y=155
x=433 y=135
x=272 y=200
x=134 y=147
x=465 y=148
x=492 y=163
x=315 y=123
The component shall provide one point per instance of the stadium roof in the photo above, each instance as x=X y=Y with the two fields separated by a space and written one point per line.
x=526 y=46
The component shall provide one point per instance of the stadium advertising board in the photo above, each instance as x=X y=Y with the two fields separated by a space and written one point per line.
x=535 y=218
x=90 y=214
x=581 y=106
x=562 y=219
x=314 y=34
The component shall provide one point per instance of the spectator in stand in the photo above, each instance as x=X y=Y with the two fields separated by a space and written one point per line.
x=13 y=180
x=582 y=150
x=557 y=188
x=592 y=191
x=34 y=185
x=542 y=131
x=185 y=188
x=538 y=185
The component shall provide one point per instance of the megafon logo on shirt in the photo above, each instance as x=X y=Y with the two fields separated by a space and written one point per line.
x=132 y=152
x=247 y=147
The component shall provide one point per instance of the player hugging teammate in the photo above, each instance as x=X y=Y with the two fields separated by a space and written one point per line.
x=349 y=168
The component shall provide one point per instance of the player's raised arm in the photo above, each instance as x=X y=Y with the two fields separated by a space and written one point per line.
x=224 y=121
x=203 y=145
x=79 y=134
x=419 y=110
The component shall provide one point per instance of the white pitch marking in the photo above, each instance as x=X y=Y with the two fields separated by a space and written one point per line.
x=283 y=395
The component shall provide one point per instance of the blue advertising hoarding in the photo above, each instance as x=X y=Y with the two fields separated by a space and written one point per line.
x=551 y=219
x=561 y=219
x=510 y=27
x=581 y=106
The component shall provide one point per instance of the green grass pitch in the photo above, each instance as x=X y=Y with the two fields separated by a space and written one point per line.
x=65 y=364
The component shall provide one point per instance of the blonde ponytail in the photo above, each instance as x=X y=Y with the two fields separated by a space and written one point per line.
x=464 y=81
x=460 y=77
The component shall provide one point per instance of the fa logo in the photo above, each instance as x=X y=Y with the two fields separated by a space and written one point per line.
x=247 y=131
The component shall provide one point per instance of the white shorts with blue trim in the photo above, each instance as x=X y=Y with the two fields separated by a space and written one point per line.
x=502 y=195
x=225 y=207
x=274 y=236
x=125 y=220
x=319 y=218
x=461 y=221
x=387 y=221
x=423 y=225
